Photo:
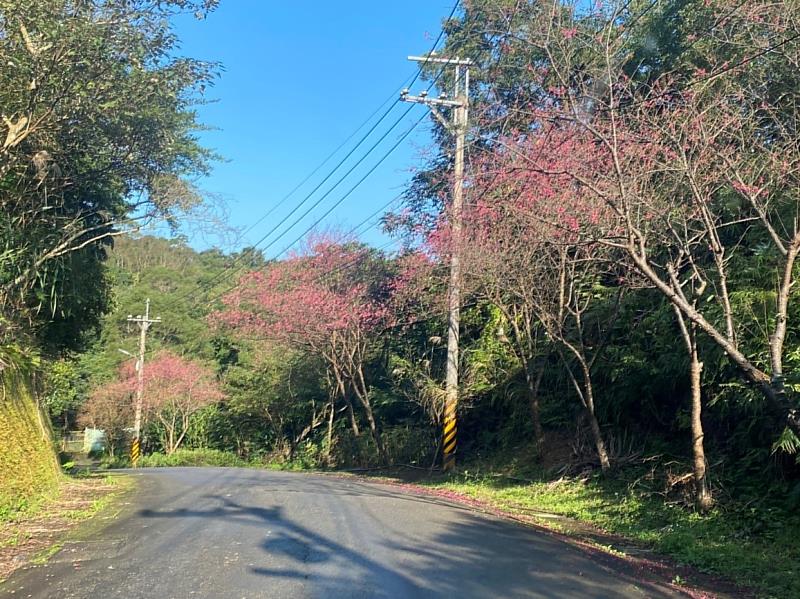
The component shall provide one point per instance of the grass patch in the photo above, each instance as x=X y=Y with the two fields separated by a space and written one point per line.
x=44 y=555
x=15 y=508
x=753 y=546
x=212 y=457
x=194 y=457
x=35 y=536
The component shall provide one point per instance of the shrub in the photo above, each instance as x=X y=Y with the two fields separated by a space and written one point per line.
x=193 y=457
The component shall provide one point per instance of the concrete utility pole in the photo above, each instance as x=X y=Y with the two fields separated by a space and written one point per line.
x=457 y=126
x=144 y=323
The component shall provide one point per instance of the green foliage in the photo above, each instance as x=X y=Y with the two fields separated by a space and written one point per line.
x=193 y=457
x=17 y=359
x=99 y=131
x=29 y=471
x=169 y=273
x=788 y=443
x=64 y=391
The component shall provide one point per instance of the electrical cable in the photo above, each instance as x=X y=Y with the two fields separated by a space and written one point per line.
x=330 y=174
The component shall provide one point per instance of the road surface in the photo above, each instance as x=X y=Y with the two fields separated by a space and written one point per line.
x=246 y=534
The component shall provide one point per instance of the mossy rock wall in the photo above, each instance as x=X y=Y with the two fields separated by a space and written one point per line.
x=28 y=466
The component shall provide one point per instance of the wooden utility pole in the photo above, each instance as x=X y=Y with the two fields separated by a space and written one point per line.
x=144 y=323
x=457 y=125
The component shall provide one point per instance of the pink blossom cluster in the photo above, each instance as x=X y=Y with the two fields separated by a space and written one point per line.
x=307 y=297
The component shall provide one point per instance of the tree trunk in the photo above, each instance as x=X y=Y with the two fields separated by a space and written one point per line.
x=343 y=392
x=534 y=382
x=351 y=414
x=586 y=395
x=329 y=435
x=168 y=434
x=781 y=319
x=597 y=435
x=702 y=493
x=360 y=388
x=373 y=429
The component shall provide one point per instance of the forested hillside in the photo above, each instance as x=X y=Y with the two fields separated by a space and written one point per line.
x=291 y=342
x=630 y=322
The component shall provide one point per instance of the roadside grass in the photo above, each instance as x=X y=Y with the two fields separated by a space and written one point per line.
x=211 y=457
x=39 y=531
x=120 y=485
x=754 y=547
x=194 y=457
x=43 y=556
x=15 y=509
x=58 y=504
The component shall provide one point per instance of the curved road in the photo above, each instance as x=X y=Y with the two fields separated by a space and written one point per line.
x=246 y=534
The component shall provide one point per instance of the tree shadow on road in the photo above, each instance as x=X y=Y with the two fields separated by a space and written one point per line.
x=460 y=553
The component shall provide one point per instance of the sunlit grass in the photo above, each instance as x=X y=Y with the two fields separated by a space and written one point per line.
x=754 y=547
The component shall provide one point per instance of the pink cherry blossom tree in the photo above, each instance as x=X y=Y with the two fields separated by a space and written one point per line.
x=327 y=299
x=524 y=254
x=176 y=388
x=110 y=408
x=681 y=171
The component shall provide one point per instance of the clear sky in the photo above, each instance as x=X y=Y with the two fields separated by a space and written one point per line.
x=298 y=79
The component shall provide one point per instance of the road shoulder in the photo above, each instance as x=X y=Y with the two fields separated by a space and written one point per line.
x=81 y=504
x=614 y=552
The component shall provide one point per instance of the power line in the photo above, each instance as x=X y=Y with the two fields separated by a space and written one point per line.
x=309 y=195
x=227 y=273
x=330 y=156
x=347 y=194
x=358 y=183
x=341 y=180
x=241 y=257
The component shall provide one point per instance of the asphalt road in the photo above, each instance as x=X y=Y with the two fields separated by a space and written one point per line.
x=246 y=534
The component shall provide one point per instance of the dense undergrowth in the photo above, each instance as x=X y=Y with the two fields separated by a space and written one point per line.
x=194 y=457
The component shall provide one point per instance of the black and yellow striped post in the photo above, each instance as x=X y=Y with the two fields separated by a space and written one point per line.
x=136 y=452
x=450 y=430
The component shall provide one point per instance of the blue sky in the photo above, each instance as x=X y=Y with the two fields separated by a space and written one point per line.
x=298 y=79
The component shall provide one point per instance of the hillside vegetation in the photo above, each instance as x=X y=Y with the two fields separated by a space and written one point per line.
x=29 y=471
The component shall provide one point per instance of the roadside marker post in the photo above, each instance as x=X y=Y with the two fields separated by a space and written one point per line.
x=135 y=452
